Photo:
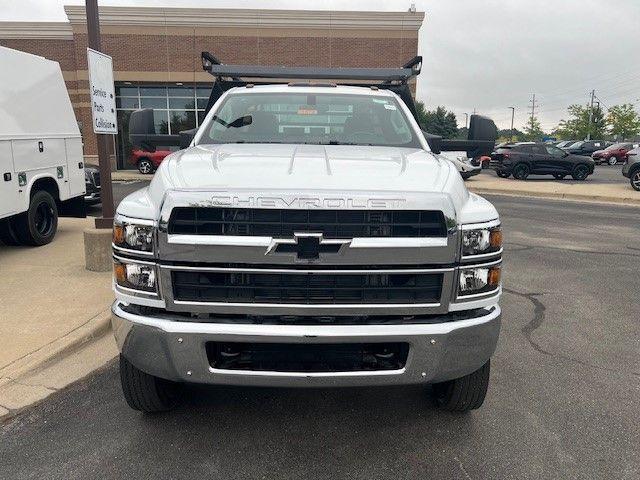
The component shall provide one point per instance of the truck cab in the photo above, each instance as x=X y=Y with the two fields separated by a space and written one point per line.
x=307 y=237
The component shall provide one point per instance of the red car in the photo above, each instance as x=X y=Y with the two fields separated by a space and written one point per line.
x=613 y=153
x=147 y=162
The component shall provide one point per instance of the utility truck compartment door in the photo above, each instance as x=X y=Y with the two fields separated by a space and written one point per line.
x=8 y=181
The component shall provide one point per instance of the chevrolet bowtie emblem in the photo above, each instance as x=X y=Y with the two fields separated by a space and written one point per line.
x=306 y=246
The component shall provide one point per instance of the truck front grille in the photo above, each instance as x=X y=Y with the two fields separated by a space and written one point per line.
x=306 y=288
x=283 y=223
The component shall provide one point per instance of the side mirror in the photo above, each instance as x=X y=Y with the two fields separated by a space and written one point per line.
x=142 y=131
x=434 y=141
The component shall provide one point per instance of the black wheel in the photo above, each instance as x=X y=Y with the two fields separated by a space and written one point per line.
x=634 y=178
x=613 y=160
x=558 y=176
x=145 y=166
x=521 y=171
x=580 y=172
x=38 y=225
x=8 y=232
x=145 y=392
x=503 y=174
x=463 y=394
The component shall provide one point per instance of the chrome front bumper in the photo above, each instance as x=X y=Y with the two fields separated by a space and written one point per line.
x=175 y=349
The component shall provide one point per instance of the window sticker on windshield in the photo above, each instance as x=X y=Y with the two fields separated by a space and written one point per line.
x=307 y=111
x=379 y=100
x=389 y=107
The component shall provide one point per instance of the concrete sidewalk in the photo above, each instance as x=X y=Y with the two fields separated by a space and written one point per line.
x=583 y=191
x=51 y=307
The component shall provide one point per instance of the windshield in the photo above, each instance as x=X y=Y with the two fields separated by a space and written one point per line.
x=309 y=118
x=576 y=145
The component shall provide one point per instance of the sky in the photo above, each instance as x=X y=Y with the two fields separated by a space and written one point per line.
x=481 y=55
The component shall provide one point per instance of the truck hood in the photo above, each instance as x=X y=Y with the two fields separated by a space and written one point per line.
x=307 y=176
x=301 y=167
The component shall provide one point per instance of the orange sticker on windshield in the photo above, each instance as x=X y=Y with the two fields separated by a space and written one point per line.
x=307 y=111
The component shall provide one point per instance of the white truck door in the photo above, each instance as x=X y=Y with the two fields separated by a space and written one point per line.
x=75 y=167
x=8 y=181
x=43 y=156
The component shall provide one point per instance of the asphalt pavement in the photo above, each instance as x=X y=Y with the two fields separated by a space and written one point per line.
x=564 y=399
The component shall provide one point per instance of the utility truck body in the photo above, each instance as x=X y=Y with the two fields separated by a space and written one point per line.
x=41 y=160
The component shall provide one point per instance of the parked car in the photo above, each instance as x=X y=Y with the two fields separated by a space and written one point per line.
x=92 y=185
x=523 y=159
x=146 y=161
x=565 y=143
x=613 y=153
x=586 y=147
x=631 y=168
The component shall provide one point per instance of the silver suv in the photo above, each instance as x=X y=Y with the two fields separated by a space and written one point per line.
x=307 y=237
x=631 y=168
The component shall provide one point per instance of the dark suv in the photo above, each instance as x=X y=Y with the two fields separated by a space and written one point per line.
x=523 y=159
x=586 y=147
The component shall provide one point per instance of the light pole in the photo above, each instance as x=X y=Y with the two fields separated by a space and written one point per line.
x=513 y=114
x=466 y=120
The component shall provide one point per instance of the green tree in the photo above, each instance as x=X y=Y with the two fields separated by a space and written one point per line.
x=506 y=135
x=532 y=130
x=578 y=125
x=623 y=121
x=437 y=122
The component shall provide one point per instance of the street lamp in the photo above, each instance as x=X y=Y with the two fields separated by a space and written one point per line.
x=513 y=114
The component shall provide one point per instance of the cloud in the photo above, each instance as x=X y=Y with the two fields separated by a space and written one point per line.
x=486 y=55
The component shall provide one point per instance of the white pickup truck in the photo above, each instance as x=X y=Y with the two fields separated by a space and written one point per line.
x=307 y=237
x=41 y=162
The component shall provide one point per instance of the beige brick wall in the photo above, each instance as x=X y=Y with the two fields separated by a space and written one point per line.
x=135 y=54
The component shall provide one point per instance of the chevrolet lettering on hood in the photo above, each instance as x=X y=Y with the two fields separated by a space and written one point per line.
x=306 y=202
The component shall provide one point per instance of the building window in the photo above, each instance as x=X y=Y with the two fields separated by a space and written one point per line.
x=175 y=108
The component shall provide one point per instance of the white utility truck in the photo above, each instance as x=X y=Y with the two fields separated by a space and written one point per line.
x=41 y=162
x=308 y=236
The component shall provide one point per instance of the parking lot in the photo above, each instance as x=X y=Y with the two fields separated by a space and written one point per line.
x=563 y=402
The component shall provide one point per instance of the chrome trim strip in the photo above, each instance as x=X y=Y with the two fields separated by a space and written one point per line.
x=120 y=288
x=289 y=271
x=474 y=226
x=479 y=265
x=483 y=255
x=271 y=373
x=312 y=306
x=119 y=218
x=479 y=295
x=131 y=251
x=356 y=242
x=132 y=260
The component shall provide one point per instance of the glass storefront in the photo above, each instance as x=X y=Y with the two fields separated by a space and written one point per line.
x=176 y=107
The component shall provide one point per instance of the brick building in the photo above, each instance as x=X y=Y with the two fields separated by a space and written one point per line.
x=156 y=53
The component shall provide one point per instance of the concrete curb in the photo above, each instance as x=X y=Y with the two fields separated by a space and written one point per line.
x=42 y=372
x=630 y=201
x=129 y=176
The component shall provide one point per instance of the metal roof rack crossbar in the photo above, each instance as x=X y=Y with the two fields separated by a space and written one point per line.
x=400 y=75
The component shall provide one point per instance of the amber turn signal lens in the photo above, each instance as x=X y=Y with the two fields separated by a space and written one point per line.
x=494 y=276
x=495 y=238
x=120 y=273
x=118 y=234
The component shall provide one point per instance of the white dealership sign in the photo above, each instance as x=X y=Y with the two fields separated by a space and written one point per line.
x=102 y=91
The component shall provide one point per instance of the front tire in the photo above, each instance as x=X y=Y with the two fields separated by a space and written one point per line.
x=145 y=392
x=465 y=393
x=38 y=225
x=521 y=171
x=613 y=161
x=580 y=172
x=634 y=179
x=145 y=166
